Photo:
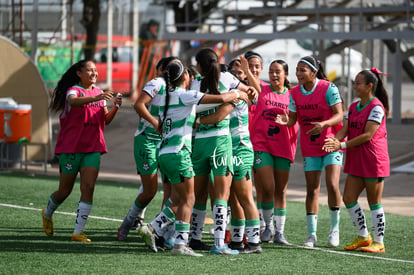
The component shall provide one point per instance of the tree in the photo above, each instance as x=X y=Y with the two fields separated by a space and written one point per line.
x=90 y=20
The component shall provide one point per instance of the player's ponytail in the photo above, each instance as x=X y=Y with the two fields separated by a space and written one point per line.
x=68 y=79
x=210 y=70
x=173 y=76
x=378 y=89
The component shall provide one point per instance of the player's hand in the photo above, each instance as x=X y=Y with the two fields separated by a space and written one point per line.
x=243 y=96
x=317 y=129
x=253 y=93
x=331 y=145
x=118 y=100
x=282 y=119
x=244 y=64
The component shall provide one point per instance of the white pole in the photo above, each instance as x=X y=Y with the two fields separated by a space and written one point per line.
x=109 y=46
x=34 y=31
x=64 y=19
x=135 y=52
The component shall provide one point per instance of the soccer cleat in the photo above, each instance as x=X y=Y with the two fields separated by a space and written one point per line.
x=169 y=243
x=310 y=241
x=267 y=235
x=280 y=239
x=137 y=223
x=159 y=242
x=123 y=230
x=236 y=245
x=333 y=238
x=251 y=248
x=374 y=247
x=359 y=242
x=198 y=245
x=81 y=237
x=225 y=250
x=148 y=236
x=47 y=224
x=184 y=250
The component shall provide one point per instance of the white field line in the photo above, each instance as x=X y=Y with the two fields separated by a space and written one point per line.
x=295 y=245
x=59 y=212
x=354 y=254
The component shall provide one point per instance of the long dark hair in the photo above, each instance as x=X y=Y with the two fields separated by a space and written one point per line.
x=315 y=65
x=378 y=89
x=234 y=62
x=69 y=78
x=173 y=75
x=209 y=69
x=285 y=67
x=162 y=64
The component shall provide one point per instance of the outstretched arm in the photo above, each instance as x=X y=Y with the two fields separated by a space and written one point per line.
x=253 y=81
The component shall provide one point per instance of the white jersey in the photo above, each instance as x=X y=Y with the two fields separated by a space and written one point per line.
x=239 y=125
x=155 y=88
x=227 y=81
x=178 y=124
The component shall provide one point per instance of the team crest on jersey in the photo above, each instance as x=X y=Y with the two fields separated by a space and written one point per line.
x=258 y=161
x=145 y=166
x=69 y=166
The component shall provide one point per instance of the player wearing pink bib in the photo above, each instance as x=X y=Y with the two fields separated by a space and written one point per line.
x=82 y=124
x=274 y=149
x=80 y=142
x=317 y=106
x=367 y=161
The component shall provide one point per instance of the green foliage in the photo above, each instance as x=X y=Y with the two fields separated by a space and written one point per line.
x=25 y=249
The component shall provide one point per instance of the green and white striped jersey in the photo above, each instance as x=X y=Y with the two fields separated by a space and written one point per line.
x=178 y=124
x=227 y=81
x=239 y=125
x=155 y=88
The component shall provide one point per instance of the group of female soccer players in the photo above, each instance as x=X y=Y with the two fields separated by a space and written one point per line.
x=216 y=131
x=219 y=149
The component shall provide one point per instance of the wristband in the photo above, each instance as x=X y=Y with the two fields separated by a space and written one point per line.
x=343 y=145
x=237 y=94
x=198 y=120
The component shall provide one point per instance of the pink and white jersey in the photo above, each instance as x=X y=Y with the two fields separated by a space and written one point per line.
x=313 y=107
x=277 y=140
x=252 y=107
x=371 y=159
x=81 y=128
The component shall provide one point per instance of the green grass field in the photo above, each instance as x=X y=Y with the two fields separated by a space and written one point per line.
x=25 y=249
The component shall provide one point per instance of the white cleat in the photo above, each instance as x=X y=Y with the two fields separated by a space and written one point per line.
x=310 y=241
x=333 y=239
x=184 y=250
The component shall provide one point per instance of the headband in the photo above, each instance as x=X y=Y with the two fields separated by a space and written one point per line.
x=180 y=73
x=254 y=56
x=310 y=64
